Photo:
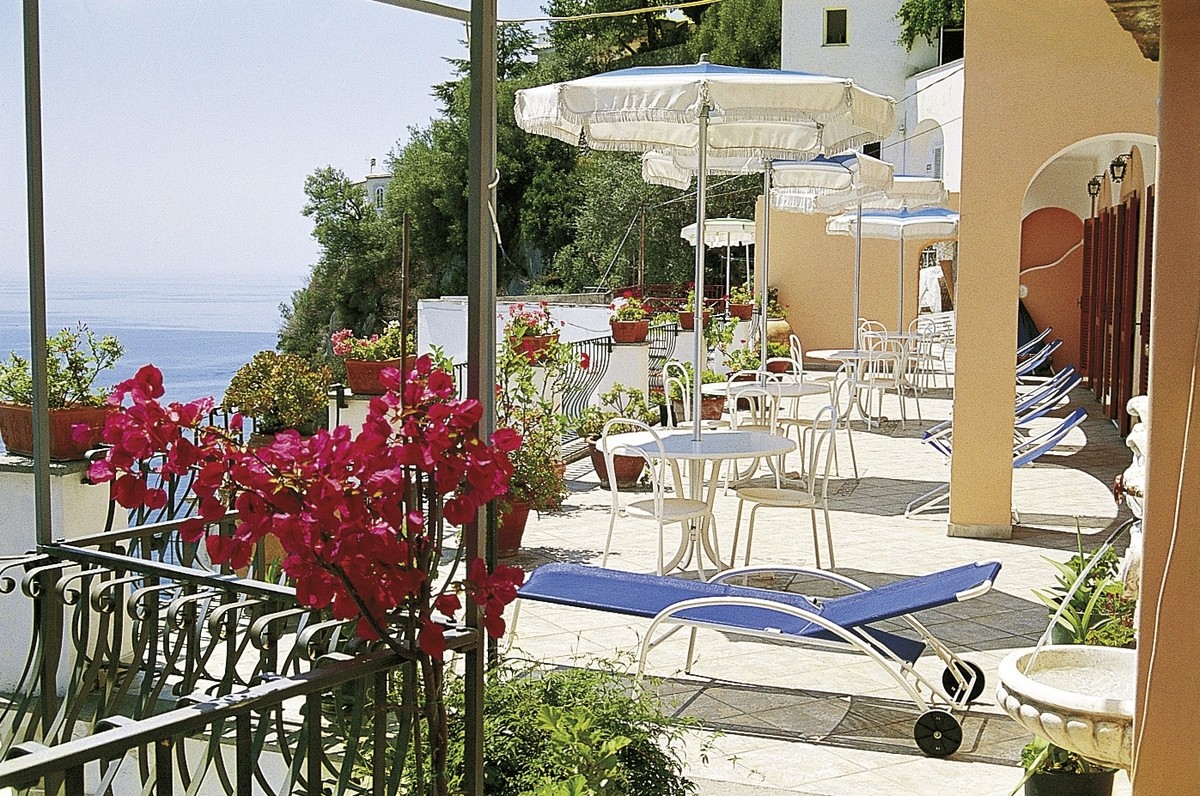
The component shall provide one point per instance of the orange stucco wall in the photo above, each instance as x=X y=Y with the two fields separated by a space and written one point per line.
x=814 y=272
x=1038 y=78
x=1053 y=293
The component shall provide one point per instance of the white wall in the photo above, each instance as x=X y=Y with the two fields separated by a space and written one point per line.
x=934 y=108
x=443 y=322
x=871 y=57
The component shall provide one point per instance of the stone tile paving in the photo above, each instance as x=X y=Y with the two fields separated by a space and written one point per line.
x=826 y=722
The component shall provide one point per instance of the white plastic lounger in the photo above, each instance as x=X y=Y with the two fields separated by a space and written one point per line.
x=840 y=622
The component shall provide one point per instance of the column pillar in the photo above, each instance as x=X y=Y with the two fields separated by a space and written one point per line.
x=1167 y=717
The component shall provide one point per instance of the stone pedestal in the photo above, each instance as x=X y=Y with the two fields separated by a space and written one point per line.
x=628 y=364
x=345 y=409
x=76 y=508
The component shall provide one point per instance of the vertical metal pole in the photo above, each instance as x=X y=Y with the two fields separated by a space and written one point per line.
x=728 y=269
x=900 y=299
x=50 y=618
x=37 y=274
x=765 y=249
x=698 y=350
x=480 y=536
x=857 y=267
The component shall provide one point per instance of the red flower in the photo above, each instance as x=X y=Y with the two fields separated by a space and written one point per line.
x=585 y=361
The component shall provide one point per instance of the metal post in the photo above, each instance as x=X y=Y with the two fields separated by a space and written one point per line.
x=481 y=338
x=857 y=266
x=900 y=299
x=765 y=249
x=698 y=350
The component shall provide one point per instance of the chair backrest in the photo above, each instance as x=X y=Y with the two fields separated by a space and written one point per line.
x=675 y=374
x=1037 y=359
x=650 y=450
x=1031 y=345
x=820 y=449
x=1032 y=449
x=754 y=406
x=843 y=394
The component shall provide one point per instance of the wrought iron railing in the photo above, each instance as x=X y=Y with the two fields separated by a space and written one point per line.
x=179 y=672
x=662 y=347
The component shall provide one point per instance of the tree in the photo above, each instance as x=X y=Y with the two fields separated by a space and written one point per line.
x=925 y=18
x=741 y=33
x=356 y=281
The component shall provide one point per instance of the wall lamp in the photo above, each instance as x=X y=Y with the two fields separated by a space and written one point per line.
x=1093 y=186
x=1117 y=167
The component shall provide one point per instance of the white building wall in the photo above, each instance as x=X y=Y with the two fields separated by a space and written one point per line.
x=871 y=57
x=929 y=118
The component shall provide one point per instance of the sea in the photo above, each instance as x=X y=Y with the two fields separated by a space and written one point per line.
x=197 y=333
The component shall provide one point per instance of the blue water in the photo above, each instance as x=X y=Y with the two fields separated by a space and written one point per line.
x=198 y=334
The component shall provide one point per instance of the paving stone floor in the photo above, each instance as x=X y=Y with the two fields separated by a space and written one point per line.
x=792 y=720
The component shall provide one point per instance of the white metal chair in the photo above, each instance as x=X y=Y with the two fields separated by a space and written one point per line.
x=813 y=494
x=842 y=397
x=659 y=507
x=753 y=408
x=677 y=378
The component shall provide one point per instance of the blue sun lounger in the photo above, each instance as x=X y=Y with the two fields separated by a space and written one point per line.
x=843 y=622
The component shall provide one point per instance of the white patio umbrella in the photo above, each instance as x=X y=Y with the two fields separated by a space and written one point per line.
x=823 y=184
x=704 y=110
x=729 y=232
x=927 y=223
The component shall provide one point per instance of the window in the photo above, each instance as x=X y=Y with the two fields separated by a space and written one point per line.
x=937 y=162
x=379 y=198
x=874 y=150
x=950 y=45
x=835 y=26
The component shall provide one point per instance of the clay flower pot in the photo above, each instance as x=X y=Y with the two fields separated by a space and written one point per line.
x=16 y=427
x=362 y=375
x=711 y=407
x=511 y=529
x=534 y=346
x=742 y=312
x=687 y=320
x=630 y=331
x=629 y=468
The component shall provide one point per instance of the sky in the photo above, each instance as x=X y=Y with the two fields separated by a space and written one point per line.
x=178 y=133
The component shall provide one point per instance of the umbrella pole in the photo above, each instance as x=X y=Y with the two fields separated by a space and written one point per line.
x=701 y=199
x=900 y=298
x=762 y=272
x=728 y=267
x=857 y=267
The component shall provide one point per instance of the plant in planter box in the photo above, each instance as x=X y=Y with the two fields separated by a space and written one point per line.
x=741 y=302
x=630 y=321
x=75 y=359
x=280 y=391
x=687 y=311
x=664 y=318
x=531 y=329
x=366 y=357
x=711 y=406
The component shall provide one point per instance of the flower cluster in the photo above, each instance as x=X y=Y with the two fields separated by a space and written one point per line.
x=375 y=348
x=740 y=294
x=280 y=391
x=526 y=321
x=628 y=308
x=359 y=519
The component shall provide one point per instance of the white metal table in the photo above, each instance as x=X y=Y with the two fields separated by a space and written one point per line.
x=714 y=447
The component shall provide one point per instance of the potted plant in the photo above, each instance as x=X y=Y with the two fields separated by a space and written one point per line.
x=711 y=406
x=526 y=403
x=741 y=302
x=366 y=357
x=75 y=358
x=620 y=401
x=279 y=391
x=531 y=330
x=630 y=322
x=687 y=314
x=1054 y=771
x=778 y=328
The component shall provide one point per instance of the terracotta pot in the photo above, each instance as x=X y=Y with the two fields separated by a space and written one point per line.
x=778 y=367
x=711 y=407
x=687 y=320
x=534 y=346
x=630 y=331
x=16 y=427
x=362 y=375
x=511 y=529
x=743 y=312
x=1044 y=783
x=629 y=468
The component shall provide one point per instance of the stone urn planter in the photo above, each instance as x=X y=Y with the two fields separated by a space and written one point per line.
x=1078 y=697
x=362 y=375
x=630 y=331
x=778 y=330
x=16 y=428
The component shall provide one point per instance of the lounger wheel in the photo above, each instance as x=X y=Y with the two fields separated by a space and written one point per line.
x=937 y=733
x=950 y=682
